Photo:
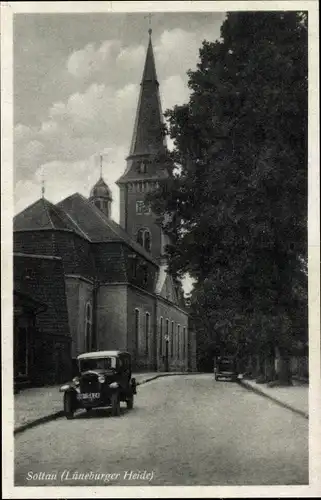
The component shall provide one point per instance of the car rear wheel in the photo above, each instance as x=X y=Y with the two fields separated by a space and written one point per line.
x=68 y=406
x=130 y=403
x=115 y=406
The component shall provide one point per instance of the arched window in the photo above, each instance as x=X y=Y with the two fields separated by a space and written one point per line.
x=136 y=330
x=140 y=237
x=143 y=167
x=161 y=337
x=147 y=242
x=88 y=327
x=185 y=343
x=167 y=331
x=147 y=317
x=178 y=340
x=172 y=340
x=144 y=239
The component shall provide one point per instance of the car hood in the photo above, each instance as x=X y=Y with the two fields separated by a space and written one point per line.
x=99 y=371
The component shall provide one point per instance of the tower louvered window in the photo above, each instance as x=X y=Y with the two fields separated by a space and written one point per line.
x=144 y=238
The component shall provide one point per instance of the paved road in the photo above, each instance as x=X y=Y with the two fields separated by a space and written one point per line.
x=186 y=430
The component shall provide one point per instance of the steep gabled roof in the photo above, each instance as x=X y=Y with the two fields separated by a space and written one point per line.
x=44 y=215
x=96 y=225
x=148 y=136
x=148 y=140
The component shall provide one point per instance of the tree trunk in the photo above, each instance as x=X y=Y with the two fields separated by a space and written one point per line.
x=284 y=375
x=270 y=373
x=250 y=367
x=260 y=367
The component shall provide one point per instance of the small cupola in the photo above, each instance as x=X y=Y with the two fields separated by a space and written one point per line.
x=101 y=197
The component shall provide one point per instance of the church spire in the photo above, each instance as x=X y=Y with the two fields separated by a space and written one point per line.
x=148 y=129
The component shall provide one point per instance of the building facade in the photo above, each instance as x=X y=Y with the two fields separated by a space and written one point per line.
x=42 y=340
x=118 y=292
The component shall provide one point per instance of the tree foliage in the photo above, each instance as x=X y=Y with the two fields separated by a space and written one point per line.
x=235 y=202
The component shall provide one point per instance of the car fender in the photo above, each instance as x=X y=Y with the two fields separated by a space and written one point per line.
x=68 y=388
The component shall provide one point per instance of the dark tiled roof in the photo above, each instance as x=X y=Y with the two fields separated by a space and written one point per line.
x=96 y=225
x=101 y=189
x=76 y=254
x=44 y=215
x=148 y=134
x=42 y=278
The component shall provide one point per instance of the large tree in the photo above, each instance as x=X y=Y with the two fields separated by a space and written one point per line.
x=235 y=203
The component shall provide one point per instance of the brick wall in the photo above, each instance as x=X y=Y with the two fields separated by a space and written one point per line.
x=34 y=242
x=111 y=317
x=178 y=343
x=137 y=221
x=79 y=293
x=122 y=206
x=137 y=268
x=109 y=262
x=75 y=252
x=141 y=347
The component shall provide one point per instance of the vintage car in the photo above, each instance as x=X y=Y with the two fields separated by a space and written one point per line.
x=226 y=367
x=105 y=379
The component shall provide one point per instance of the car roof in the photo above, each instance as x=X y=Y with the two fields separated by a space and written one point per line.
x=101 y=354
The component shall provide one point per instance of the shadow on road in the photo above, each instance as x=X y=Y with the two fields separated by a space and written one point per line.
x=101 y=413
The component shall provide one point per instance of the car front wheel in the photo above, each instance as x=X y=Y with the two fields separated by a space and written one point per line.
x=130 y=403
x=68 y=406
x=115 y=406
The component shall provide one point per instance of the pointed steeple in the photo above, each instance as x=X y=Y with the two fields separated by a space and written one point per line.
x=148 y=129
x=149 y=73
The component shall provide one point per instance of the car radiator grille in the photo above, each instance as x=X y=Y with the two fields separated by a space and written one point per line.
x=90 y=384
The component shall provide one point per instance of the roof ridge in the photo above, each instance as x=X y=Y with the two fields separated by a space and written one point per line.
x=36 y=256
x=47 y=211
x=28 y=207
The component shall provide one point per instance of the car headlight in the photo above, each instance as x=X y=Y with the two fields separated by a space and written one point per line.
x=76 y=381
x=114 y=385
x=63 y=388
x=101 y=379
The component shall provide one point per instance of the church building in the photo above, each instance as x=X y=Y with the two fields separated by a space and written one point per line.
x=118 y=293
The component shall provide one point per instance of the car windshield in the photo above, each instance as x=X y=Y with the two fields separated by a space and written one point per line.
x=226 y=362
x=97 y=364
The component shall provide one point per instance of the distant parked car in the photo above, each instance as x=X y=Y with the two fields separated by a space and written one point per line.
x=226 y=367
x=105 y=379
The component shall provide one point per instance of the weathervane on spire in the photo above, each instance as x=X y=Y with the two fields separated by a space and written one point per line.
x=101 y=165
x=149 y=22
x=42 y=184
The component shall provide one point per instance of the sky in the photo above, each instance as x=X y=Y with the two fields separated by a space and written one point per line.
x=76 y=86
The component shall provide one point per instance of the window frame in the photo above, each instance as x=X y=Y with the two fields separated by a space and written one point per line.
x=161 y=335
x=137 y=328
x=147 y=327
x=172 y=338
x=88 y=324
x=178 y=340
x=143 y=231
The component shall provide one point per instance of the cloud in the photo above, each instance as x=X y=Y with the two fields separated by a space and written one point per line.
x=174 y=91
x=176 y=51
x=131 y=58
x=63 y=178
x=98 y=115
x=90 y=60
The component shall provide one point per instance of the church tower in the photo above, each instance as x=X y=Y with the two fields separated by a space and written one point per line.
x=143 y=171
x=100 y=195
